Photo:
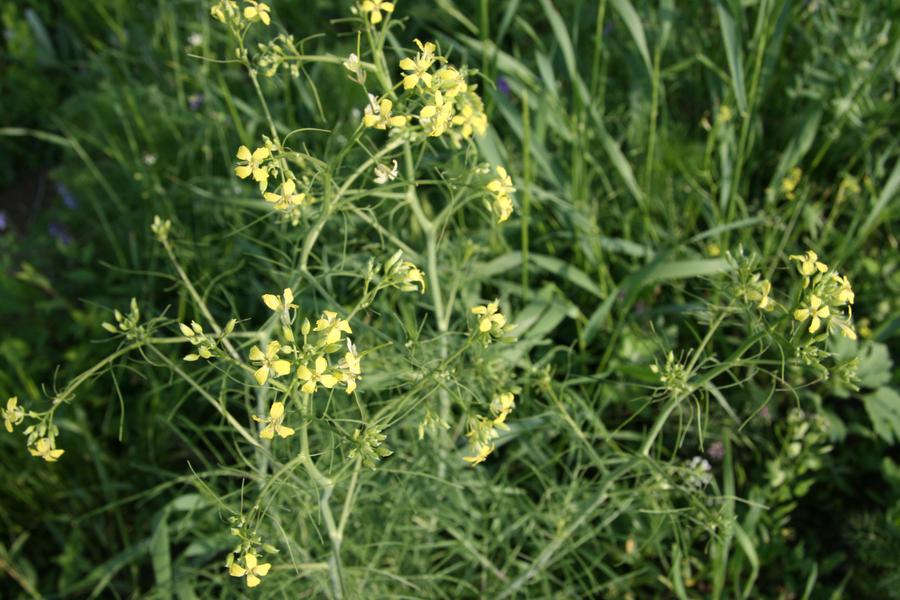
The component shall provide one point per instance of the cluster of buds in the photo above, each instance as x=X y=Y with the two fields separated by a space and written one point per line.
x=127 y=325
x=280 y=51
x=206 y=345
x=369 y=446
x=673 y=375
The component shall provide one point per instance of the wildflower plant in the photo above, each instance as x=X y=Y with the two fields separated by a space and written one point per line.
x=425 y=325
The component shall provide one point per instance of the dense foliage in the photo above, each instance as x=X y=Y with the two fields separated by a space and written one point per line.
x=453 y=299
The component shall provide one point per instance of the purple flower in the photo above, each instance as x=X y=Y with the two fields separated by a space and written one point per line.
x=503 y=85
x=4 y=223
x=716 y=451
x=195 y=101
x=59 y=233
x=67 y=197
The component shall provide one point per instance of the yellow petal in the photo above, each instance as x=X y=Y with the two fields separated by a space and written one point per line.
x=243 y=153
x=484 y=325
x=267 y=433
x=261 y=154
x=236 y=570
x=256 y=354
x=801 y=314
x=263 y=569
x=264 y=17
x=252 y=580
x=277 y=410
x=351 y=386
x=376 y=17
x=385 y=105
x=309 y=387
x=321 y=365
x=328 y=381
x=282 y=367
x=288 y=296
x=387 y=7
x=243 y=171
x=272 y=349
x=408 y=64
x=410 y=81
x=272 y=301
x=262 y=375
x=304 y=373
x=284 y=431
x=398 y=121
x=814 y=324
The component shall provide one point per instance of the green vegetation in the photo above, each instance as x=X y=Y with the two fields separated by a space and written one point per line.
x=587 y=299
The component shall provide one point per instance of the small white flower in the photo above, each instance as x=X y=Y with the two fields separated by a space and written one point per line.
x=149 y=159
x=385 y=173
x=372 y=107
x=352 y=63
x=701 y=472
x=195 y=39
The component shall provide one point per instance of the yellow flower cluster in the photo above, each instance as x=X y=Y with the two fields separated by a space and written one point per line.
x=40 y=436
x=492 y=323
x=229 y=13
x=501 y=189
x=243 y=561
x=483 y=430
x=403 y=274
x=758 y=291
x=311 y=358
x=374 y=8
x=447 y=103
x=826 y=293
x=790 y=182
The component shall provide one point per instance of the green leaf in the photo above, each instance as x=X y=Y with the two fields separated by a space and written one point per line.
x=883 y=406
x=160 y=557
x=731 y=35
x=875 y=366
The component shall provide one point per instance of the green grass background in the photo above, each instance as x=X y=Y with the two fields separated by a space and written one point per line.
x=609 y=116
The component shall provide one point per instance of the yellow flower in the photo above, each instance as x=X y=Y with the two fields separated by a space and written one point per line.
x=44 y=448
x=809 y=263
x=13 y=414
x=789 y=184
x=503 y=207
x=419 y=66
x=451 y=81
x=333 y=326
x=814 y=309
x=379 y=116
x=413 y=279
x=351 y=367
x=315 y=376
x=274 y=423
x=257 y=10
x=845 y=293
x=490 y=317
x=501 y=406
x=374 y=7
x=252 y=569
x=471 y=121
x=503 y=185
x=287 y=198
x=846 y=329
x=438 y=114
x=252 y=165
x=765 y=302
x=269 y=361
x=276 y=303
x=482 y=451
